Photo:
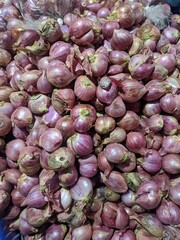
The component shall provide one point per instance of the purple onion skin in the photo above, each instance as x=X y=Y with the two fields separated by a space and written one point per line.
x=121 y=235
x=174 y=193
x=168 y=213
x=56 y=232
x=148 y=195
x=171 y=163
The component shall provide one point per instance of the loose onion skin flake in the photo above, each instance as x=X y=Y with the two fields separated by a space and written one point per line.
x=89 y=120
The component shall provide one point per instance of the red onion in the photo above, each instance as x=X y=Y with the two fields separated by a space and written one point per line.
x=29 y=160
x=151 y=161
x=17 y=197
x=51 y=139
x=83 y=116
x=83 y=232
x=104 y=124
x=51 y=117
x=136 y=46
x=171 y=163
x=130 y=121
x=34 y=198
x=19 y=99
x=119 y=217
x=79 y=29
x=172 y=34
x=48 y=181
x=121 y=235
x=61 y=158
x=116 y=109
x=136 y=142
x=148 y=195
x=106 y=90
x=175 y=21
x=38 y=104
x=108 y=29
x=168 y=61
x=119 y=57
x=4 y=200
x=63 y=100
x=88 y=165
x=116 y=153
x=128 y=198
x=132 y=90
x=22 y=117
x=151 y=108
x=82 y=190
x=156 y=89
x=121 y=39
x=56 y=232
x=171 y=125
x=174 y=191
x=25 y=183
x=103 y=164
x=5 y=57
x=155 y=123
x=12 y=175
x=118 y=135
x=58 y=74
x=65 y=126
x=101 y=233
x=168 y=212
x=163 y=181
x=139 y=66
x=84 y=88
x=149 y=31
x=96 y=64
x=5 y=125
x=80 y=143
x=68 y=177
x=150 y=223
x=126 y=16
x=19 y=133
x=6 y=108
x=65 y=198
x=3 y=164
x=115 y=181
x=11 y=213
x=69 y=18
x=170 y=144
x=5 y=184
x=129 y=165
x=5 y=92
x=37 y=217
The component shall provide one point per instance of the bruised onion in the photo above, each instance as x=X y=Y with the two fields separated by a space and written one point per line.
x=61 y=158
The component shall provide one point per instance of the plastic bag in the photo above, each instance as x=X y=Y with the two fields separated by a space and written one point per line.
x=38 y=8
x=159 y=15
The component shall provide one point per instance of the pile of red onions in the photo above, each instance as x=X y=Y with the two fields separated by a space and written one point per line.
x=89 y=122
